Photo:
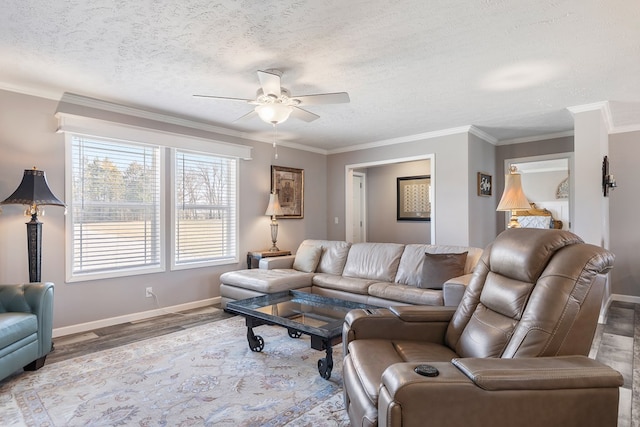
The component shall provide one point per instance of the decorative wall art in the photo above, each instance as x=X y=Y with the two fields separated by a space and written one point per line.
x=413 y=198
x=485 y=186
x=288 y=183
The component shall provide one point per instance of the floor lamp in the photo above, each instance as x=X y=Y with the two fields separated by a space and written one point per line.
x=33 y=191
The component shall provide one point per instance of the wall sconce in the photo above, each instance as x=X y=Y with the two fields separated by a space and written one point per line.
x=608 y=180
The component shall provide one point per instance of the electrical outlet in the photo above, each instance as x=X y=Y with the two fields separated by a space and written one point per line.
x=148 y=292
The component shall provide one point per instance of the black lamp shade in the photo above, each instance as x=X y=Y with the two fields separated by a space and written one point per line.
x=33 y=190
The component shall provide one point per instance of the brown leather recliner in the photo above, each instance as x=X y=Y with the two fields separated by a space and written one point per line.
x=513 y=353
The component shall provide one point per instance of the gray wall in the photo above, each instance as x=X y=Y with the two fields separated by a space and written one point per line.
x=482 y=158
x=624 y=205
x=28 y=138
x=451 y=185
x=382 y=225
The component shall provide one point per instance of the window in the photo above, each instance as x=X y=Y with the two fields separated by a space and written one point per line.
x=204 y=210
x=115 y=212
x=131 y=189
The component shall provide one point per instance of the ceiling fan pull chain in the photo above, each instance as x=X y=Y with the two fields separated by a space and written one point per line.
x=275 y=138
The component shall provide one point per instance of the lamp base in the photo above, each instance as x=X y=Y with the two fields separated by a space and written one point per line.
x=274 y=235
x=34 y=248
x=513 y=222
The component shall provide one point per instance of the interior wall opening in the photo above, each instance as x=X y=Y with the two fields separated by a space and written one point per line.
x=375 y=206
x=548 y=183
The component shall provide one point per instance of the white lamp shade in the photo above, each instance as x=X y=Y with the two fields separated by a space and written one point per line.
x=274 y=206
x=274 y=113
x=513 y=196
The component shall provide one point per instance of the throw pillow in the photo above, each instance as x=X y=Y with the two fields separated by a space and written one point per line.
x=438 y=268
x=307 y=258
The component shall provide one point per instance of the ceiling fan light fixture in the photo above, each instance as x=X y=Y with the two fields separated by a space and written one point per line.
x=274 y=113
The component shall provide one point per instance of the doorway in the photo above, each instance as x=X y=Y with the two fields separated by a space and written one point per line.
x=370 y=170
x=359 y=217
x=547 y=181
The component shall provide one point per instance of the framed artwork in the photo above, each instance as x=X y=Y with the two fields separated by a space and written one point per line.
x=485 y=186
x=288 y=184
x=413 y=198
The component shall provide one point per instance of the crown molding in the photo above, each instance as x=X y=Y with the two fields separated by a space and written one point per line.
x=483 y=135
x=536 y=138
x=39 y=93
x=602 y=106
x=402 y=139
x=146 y=114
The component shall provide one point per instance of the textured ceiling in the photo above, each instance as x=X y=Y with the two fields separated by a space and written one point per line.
x=410 y=67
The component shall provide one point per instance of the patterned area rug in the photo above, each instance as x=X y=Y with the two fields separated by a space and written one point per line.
x=206 y=375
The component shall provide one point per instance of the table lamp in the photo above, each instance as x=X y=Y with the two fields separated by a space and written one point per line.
x=274 y=209
x=513 y=197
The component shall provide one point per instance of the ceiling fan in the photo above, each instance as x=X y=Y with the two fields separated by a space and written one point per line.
x=274 y=104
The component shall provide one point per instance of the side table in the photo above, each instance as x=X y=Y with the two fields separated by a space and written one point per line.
x=251 y=255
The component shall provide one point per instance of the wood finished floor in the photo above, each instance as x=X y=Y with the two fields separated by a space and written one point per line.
x=614 y=344
x=80 y=344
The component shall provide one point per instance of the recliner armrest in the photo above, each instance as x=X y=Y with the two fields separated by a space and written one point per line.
x=35 y=298
x=539 y=373
x=422 y=323
x=454 y=399
x=417 y=313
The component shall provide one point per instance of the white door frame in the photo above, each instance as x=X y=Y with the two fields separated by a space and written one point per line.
x=363 y=204
x=349 y=171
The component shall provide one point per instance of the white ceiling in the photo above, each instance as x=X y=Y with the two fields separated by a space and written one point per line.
x=510 y=68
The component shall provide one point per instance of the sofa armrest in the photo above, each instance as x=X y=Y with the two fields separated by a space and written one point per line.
x=453 y=289
x=35 y=298
x=428 y=323
x=271 y=263
x=454 y=399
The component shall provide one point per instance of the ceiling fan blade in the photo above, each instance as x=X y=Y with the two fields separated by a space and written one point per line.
x=324 y=98
x=304 y=115
x=245 y=117
x=224 y=98
x=270 y=83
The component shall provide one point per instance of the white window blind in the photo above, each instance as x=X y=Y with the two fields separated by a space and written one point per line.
x=115 y=208
x=205 y=208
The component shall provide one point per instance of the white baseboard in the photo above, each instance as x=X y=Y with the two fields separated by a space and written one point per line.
x=102 y=323
x=615 y=297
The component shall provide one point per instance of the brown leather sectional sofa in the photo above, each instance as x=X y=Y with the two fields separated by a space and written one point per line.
x=381 y=274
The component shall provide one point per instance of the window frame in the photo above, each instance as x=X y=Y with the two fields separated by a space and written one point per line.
x=231 y=259
x=71 y=276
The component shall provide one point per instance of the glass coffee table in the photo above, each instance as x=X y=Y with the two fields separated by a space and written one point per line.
x=318 y=316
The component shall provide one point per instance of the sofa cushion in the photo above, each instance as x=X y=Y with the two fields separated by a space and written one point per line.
x=267 y=281
x=438 y=268
x=16 y=326
x=307 y=258
x=333 y=257
x=411 y=263
x=353 y=285
x=375 y=261
x=406 y=294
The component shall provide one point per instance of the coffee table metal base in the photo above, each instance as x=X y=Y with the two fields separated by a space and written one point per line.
x=325 y=365
x=300 y=313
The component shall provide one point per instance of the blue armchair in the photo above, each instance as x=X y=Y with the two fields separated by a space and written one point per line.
x=26 y=326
